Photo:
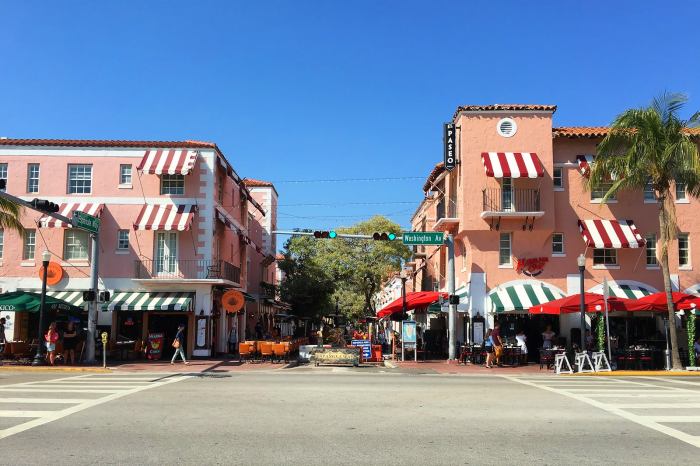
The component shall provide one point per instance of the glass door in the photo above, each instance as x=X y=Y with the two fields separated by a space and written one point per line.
x=507 y=194
x=166 y=253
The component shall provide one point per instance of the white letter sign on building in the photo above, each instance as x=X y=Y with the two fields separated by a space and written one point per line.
x=449 y=142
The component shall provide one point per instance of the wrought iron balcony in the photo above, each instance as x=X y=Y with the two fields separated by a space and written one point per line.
x=269 y=291
x=169 y=269
x=446 y=215
x=514 y=202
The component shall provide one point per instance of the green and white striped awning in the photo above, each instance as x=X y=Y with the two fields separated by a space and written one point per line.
x=72 y=297
x=522 y=296
x=622 y=290
x=149 y=301
x=463 y=305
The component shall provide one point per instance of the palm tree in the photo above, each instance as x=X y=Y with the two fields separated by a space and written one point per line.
x=652 y=145
x=10 y=214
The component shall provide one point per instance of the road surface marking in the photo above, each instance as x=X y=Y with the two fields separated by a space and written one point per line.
x=651 y=422
x=78 y=404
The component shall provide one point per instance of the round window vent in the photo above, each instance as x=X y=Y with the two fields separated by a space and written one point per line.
x=507 y=127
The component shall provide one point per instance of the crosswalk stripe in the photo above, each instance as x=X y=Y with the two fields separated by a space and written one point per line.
x=44 y=400
x=673 y=418
x=680 y=405
x=55 y=390
x=22 y=413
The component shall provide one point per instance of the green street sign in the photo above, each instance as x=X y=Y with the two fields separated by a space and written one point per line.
x=423 y=237
x=85 y=222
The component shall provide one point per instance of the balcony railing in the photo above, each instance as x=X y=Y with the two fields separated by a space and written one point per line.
x=446 y=209
x=269 y=291
x=511 y=200
x=187 y=269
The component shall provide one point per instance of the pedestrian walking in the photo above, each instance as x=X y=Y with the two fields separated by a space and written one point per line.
x=51 y=338
x=179 y=344
x=70 y=341
x=3 y=339
x=488 y=347
x=497 y=343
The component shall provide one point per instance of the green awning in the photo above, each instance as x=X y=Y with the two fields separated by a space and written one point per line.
x=249 y=298
x=620 y=290
x=522 y=296
x=72 y=297
x=28 y=301
x=149 y=301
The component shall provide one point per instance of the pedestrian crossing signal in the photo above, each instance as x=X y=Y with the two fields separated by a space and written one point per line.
x=325 y=234
x=384 y=236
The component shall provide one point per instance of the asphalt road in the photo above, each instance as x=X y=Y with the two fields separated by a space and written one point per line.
x=346 y=416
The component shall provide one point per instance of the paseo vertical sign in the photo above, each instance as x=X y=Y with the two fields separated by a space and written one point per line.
x=448 y=138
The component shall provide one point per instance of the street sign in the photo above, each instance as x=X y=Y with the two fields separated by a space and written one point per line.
x=85 y=222
x=423 y=237
x=448 y=140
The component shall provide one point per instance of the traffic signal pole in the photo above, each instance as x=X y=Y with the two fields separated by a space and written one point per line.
x=92 y=313
x=309 y=233
x=452 y=316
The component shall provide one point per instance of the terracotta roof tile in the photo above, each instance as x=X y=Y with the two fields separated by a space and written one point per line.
x=505 y=107
x=592 y=131
x=257 y=183
x=437 y=170
x=107 y=143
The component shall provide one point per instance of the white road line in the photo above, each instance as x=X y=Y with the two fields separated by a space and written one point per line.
x=641 y=420
x=680 y=405
x=55 y=415
x=53 y=390
x=633 y=395
x=22 y=413
x=86 y=385
x=45 y=400
x=673 y=380
x=673 y=418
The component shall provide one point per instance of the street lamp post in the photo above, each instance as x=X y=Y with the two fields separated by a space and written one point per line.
x=39 y=357
x=581 y=261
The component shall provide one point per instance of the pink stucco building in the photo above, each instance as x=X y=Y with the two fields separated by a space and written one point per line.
x=178 y=228
x=520 y=215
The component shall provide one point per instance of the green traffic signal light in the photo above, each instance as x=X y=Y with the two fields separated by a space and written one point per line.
x=332 y=234
x=392 y=236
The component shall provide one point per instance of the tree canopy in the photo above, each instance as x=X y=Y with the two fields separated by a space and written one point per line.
x=319 y=271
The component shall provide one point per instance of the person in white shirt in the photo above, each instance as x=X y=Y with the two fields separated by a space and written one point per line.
x=520 y=338
x=548 y=337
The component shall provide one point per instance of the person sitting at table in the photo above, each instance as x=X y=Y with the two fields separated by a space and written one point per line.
x=548 y=337
x=520 y=338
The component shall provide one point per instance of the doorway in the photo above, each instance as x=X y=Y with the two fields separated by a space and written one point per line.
x=167 y=323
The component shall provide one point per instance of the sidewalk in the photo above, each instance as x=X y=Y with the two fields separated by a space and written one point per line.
x=442 y=367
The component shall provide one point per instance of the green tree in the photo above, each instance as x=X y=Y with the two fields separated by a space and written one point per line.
x=10 y=214
x=355 y=267
x=652 y=145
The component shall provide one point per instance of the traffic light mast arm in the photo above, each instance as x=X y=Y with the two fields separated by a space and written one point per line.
x=28 y=205
x=310 y=233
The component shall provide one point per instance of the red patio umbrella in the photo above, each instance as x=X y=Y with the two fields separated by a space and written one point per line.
x=414 y=299
x=593 y=303
x=657 y=301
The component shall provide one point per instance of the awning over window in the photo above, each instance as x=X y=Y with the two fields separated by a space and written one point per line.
x=584 y=164
x=612 y=234
x=168 y=161
x=225 y=218
x=67 y=211
x=165 y=217
x=29 y=301
x=149 y=301
x=623 y=290
x=522 y=296
x=512 y=164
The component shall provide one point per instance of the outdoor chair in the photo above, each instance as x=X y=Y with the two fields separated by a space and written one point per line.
x=266 y=350
x=280 y=350
x=644 y=360
x=245 y=351
x=546 y=358
x=466 y=354
x=627 y=359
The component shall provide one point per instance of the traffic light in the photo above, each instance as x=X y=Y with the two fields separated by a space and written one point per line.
x=104 y=296
x=88 y=296
x=44 y=205
x=384 y=236
x=325 y=234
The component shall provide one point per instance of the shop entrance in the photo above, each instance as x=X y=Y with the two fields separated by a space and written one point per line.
x=167 y=323
x=532 y=326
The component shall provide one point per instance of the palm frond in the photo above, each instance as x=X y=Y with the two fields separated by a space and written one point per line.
x=10 y=215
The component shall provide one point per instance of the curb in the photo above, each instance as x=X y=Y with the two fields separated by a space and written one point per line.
x=637 y=374
x=98 y=370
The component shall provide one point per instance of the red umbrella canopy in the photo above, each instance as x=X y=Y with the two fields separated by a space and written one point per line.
x=414 y=299
x=657 y=301
x=593 y=303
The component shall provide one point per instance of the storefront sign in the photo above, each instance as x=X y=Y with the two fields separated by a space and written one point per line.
x=232 y=301
x=448 y=139
x=366 y=347
x=54 y=274
x=155 y=345
x=531 y=266
x=336 y=356
x=408 y=332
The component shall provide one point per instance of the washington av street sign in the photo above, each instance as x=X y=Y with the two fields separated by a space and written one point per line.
x=85 y=222
x=423 y=237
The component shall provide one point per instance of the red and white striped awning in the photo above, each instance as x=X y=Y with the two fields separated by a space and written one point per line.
x=584 y=164
x=611 y=234
x=512 y=164
x=67 y=211
x=166 y=217
x=168 y=161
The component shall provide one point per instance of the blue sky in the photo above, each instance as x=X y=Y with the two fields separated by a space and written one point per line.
x=298 y=90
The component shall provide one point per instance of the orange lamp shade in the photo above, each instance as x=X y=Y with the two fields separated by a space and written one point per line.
x=53 y=275
x=232 y=301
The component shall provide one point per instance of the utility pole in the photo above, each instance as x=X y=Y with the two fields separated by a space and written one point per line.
x=452 y=317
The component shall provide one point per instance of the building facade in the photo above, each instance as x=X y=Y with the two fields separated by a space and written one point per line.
x=174 y=233
x=518 y=209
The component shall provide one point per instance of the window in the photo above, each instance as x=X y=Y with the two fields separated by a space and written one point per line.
x=649 y=194
x=172 y=184
x=220 y=191
x=605 y=257
x=125 y=175
x=680 y=192
x=75 y=245
x=29 y=244
x=598 y=193
x=79 y=179
x=123 y=240
x=507 y=127
x=166 y=253
x=558 y=177
x=651 y=250
x=3 y=173
x=504 y=250
x=33 y=178
x=558 y=243
x=2 y=241
x=683 y=250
